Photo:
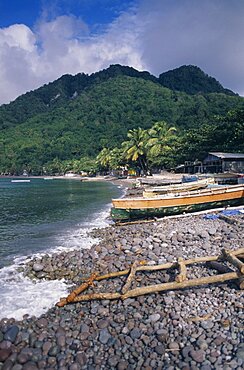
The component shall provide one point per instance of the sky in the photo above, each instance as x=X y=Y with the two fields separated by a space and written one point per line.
x=40 y=40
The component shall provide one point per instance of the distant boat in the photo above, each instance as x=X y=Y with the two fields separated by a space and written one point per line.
x=177 y=203
x=48 y=178
x=192 y=185
x=20 y=180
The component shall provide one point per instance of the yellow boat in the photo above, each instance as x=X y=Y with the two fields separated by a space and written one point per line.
x=177 y=203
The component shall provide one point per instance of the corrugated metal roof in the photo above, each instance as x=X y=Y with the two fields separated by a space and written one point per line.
x=228 y=155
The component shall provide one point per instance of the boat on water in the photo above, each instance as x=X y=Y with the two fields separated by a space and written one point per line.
x=20 y=180
x=125 y=209
x=187 y=186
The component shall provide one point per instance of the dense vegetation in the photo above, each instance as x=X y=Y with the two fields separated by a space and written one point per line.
x=192 y=80
x=66 y=124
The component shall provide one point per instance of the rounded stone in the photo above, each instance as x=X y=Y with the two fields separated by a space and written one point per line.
x=37 y=267
x=104 y=336
x=198 y=355
x=11 y=333
x=4 y=354
x=154 y=317
x=81 y=358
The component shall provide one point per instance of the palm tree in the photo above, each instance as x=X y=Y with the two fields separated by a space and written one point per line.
x=135 y=149
x=104 y=158
x=161 y=141
x=161 y=137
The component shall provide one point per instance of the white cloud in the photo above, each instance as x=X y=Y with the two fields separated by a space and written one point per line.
x=206 y=33
x=29 y=59
x=156 y=36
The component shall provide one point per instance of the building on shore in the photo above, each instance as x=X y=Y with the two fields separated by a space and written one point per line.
x=215 y=162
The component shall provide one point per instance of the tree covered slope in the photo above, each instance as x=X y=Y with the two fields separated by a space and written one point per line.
x=189 y=79
x=101 y=115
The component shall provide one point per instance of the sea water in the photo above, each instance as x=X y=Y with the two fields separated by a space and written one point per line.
x=44 y=217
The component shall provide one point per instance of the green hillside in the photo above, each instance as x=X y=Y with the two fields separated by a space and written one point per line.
x=189 y=79
x=57 y=93
x=192 y=80
x=77 y=116
x=101 y=116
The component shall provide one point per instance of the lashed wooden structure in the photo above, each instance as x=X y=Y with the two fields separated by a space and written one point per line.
x=226 y=274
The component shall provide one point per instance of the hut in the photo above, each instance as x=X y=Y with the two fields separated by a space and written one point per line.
x=218 y=162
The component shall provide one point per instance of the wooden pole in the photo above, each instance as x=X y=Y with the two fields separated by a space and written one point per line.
x=159 y=288
x=234 y=260
x=178 y=284
x=182 y=268
x=92 y=296
x=77 y=291
x=165 y=266
x=186 y=284
x=131 y=276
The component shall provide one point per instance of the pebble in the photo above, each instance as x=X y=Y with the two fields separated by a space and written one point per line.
x=104 y=336
x=154 y=317
x=148 y=332
x=11 y=333
x=37 y=267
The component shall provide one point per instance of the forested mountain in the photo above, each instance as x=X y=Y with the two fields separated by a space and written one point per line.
x=192 y=80
x=57 y=93
x=189 y=79
x=77 y=116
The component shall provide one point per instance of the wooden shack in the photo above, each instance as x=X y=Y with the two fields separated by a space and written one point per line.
x=218 y=162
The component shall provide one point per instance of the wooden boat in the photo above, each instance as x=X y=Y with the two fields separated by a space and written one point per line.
x=156 y=182
x=194 y=185
x=177 y=203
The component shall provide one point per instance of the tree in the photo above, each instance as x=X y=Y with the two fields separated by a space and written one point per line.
x=104 y=158
x=135 y=149
x=161 y=138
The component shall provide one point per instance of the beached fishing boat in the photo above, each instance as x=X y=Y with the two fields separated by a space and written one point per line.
x=177 y=203
x=187 y=186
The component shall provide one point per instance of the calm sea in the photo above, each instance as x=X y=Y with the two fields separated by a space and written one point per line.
x=43 y=216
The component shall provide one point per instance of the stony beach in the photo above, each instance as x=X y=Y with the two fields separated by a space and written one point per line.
x=194 y=328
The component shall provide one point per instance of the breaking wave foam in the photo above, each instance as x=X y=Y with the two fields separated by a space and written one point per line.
x=20 y=295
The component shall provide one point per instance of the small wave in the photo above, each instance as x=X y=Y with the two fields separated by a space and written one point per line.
x=32 y=298
x=35 y=298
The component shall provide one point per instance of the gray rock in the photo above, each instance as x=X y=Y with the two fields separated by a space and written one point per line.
x=240 y=352
x=174 y=346
x=30 y=366
x=135 y=333
x=4 y=354
x=113 y=361
x=37 y=267
x=42 y=323
x=104 y=336
x=17 y=367
x=204 y=234
x=154 y=317
x=198 y=355
x=74 y=366
x=160 y=349
x=61 y=340
x=101 y=324
x=207 y=324
x=186 y=350
x=11 y=334
x=81 y=358
x=7 y=365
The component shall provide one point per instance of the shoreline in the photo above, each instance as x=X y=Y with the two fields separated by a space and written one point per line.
x=153 y=331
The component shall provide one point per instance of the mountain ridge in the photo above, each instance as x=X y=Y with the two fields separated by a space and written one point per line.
x=68 y=87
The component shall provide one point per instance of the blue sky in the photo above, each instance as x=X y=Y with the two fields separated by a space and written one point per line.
x=40 y=40
x=93 y=12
